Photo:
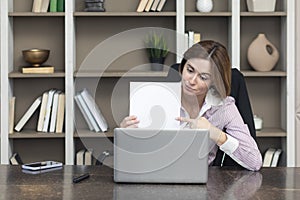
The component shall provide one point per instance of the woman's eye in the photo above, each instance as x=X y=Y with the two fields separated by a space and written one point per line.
x=203 y=77
x=189 y=69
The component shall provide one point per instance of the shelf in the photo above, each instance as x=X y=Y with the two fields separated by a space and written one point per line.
x=124 y=14
x=91 y=134
x=31 y=134
x=31 y=14
x=209 y=14
x=249 y=73
x=95 y=73
x=17 y=74
x=263 y=14
x=271 y=132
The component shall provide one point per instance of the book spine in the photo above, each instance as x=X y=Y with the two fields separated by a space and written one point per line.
x=12 y=114
x=53 y=5
x=94 y=110
x=48 y=110
x=42 y=114
x=28 y=114
x=83 y=112
x=88 y=113
x=61 y=113
x=142 y=5
x=60 y=5
x=54 y=112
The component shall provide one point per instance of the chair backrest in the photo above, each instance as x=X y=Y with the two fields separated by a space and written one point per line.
x=240 y=93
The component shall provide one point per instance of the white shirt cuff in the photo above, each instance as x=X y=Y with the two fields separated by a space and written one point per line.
x=230 y=145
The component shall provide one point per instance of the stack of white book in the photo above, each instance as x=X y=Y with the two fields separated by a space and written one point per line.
x=85 y=157
x=150 y=5
x=90 y=111
x=51 y=114
x=191 y=38
x=271 y=157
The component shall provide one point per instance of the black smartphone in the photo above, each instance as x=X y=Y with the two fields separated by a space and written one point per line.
x=41 y=165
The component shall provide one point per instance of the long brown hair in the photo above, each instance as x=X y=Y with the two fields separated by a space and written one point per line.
x=218 y=55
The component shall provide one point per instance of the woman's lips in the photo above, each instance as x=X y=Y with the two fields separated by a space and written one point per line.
x=189 y=88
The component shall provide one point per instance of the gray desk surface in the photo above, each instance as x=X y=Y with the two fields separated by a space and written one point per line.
x=225 y=183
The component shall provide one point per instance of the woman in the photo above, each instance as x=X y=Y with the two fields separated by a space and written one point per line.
x=206 y=104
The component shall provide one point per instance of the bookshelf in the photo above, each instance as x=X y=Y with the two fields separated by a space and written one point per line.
x=72 y=36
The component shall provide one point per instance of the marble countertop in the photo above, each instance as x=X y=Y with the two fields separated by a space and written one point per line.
x=223 y=183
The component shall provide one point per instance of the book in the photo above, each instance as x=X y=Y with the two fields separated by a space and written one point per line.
x=197 y=37
x=148 y=6
x=60 y=113
x=36 y=5
x=38 y=70
x=54 y=112
x=89 y=114
x=80 y=157
x=276 y=158
x=191 y=38
x=12 y=103
x=86 y=113
x=15 y=159
x=34 y=106
x=60 y=5
x=53 y=6
x=42 y=114
x=88 y=157
x=142 y=5
x=154 y=5
x=45 y=5
x=268 y=157
x=48 y=110
x=94 y=109
x=161 y=5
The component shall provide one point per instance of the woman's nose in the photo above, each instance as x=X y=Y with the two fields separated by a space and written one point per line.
x=193 y=79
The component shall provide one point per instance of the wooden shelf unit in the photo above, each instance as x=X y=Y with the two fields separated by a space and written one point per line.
x=72 y=35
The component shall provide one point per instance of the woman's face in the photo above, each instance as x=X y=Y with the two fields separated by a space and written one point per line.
x=196 y=76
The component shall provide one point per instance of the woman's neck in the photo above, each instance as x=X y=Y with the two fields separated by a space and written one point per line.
x=192 y=104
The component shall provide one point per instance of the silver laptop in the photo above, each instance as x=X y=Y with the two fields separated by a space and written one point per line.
x=160 y=156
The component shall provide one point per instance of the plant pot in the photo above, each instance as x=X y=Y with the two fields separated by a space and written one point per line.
x=157 y=64
x=261 y=5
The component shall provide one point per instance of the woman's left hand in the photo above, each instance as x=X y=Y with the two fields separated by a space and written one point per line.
x=215 y=134
x=200 y=123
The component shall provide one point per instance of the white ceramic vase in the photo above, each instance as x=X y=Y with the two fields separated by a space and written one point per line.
x=204 y=5
x=262 y=54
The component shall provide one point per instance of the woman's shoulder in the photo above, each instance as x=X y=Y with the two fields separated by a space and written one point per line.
x=228 y=100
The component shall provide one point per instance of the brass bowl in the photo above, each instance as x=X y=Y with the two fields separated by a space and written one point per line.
x=35 y=56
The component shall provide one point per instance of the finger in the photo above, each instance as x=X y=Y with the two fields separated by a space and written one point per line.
x=183 y=119
x=131 y=117
x=132 y=122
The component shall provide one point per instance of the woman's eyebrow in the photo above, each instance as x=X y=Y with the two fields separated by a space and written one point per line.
x=201 y=73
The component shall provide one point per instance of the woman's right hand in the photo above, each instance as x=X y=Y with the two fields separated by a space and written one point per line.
x=130 y=122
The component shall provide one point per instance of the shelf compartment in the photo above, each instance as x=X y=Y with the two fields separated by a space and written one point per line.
x=17 y=74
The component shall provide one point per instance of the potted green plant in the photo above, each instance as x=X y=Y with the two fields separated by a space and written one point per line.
x=157 y=48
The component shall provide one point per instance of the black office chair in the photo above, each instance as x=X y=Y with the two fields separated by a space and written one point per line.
x=242 y=101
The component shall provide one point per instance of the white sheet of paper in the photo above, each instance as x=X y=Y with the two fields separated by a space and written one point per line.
x=156 y=104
